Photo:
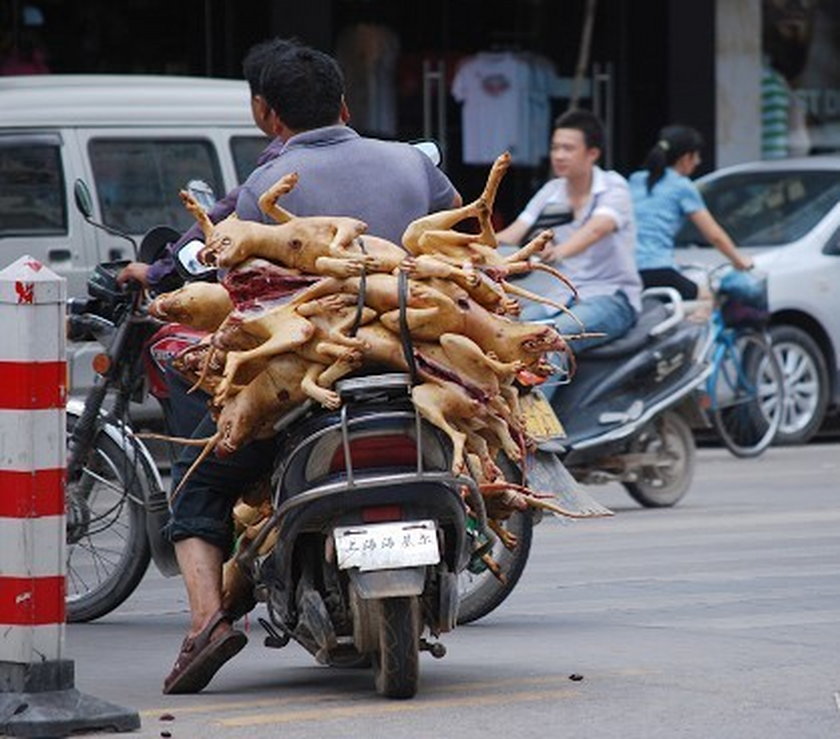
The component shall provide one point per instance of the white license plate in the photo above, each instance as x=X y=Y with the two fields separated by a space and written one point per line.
x=383 y=546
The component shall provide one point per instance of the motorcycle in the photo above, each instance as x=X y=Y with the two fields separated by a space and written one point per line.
x=116 y=500
x=372 y=529
x=371 y=533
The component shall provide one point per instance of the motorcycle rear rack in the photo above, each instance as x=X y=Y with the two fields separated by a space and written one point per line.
x=359 y=389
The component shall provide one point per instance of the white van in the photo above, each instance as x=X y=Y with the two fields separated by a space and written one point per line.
x=135 y=140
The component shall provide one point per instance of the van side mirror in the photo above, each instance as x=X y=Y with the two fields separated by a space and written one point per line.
x=84 y=202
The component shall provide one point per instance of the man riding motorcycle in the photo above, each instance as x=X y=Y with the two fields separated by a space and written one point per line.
x=304 y=90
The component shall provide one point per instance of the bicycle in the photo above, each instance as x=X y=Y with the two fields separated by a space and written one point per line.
x=745 y=389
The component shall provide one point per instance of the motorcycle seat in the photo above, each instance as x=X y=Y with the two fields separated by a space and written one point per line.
x=653 y=313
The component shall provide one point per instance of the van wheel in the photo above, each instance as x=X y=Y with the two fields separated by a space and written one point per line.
x=806 y=384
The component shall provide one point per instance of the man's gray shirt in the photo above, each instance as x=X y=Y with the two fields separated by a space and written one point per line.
x=386 y=184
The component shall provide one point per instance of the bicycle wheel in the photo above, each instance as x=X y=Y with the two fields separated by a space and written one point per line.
x=747 y=389
x=107 y=547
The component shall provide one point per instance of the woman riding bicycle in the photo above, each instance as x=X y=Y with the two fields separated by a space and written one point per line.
x=663 y=198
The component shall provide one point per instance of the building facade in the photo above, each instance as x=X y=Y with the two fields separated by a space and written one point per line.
x=756 y=77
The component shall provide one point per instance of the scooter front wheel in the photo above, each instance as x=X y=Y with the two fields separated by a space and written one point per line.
x=663 y=483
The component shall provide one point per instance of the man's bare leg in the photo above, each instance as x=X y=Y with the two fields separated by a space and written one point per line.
x=212 y=641
x=201 y=568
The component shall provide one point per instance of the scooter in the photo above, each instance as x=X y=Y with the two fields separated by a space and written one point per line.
x=625 y=414
x=628 y=414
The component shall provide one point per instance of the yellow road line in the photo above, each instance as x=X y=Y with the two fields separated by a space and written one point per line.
x=213 y=707
x=369 y=710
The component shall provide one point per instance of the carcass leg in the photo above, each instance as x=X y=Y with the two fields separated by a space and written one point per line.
x=537 y=244
x=268 y=200
x=295 y=333
x=200 y=215
x=430 y=400
x=309 y=385
x=438 y=226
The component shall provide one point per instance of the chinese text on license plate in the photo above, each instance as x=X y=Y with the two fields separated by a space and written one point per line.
x=384 y=546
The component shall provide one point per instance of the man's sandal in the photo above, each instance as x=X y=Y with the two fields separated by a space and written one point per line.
x=201 y=657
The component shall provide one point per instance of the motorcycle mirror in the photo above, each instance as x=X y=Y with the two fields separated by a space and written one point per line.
x=84 y=203
x=187 y=264
x=430 y=149
x=155 y=241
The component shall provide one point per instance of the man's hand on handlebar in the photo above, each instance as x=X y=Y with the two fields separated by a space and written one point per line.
x=743 y=262
x=136 y=271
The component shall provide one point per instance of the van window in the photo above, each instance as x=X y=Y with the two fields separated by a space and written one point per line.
x=137 y=181
x=245 y=150
x=32 y=197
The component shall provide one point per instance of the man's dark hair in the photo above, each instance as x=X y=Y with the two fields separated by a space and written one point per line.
x=304 y=87
x=587 y=123
x=258 y=56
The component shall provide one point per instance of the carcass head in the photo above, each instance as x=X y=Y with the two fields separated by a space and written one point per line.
x=538 y=340
x=200 y=305
x=249 y=415
x=224 y=244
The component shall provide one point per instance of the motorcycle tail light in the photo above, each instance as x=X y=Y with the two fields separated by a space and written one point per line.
x=382 y=513
x=101 y=363
x=390 y=450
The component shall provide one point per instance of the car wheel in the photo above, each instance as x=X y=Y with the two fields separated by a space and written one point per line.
x=806 y=384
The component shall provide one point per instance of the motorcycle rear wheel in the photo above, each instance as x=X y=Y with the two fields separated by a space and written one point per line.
x=662 y=486
x=107 y=547
x=482 y=593
x=396 y=663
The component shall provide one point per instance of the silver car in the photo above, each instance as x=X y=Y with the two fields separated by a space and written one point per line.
x=786 y=215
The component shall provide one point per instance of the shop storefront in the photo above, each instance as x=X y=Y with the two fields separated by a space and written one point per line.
x=755 y=76
x=778 y=85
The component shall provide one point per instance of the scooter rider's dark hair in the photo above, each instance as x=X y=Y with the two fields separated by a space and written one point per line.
x=673 y=142
x=255 y=59
x=304 y=87
x=587 y=123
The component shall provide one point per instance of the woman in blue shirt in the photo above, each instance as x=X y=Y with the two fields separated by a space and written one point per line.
x=663 y=198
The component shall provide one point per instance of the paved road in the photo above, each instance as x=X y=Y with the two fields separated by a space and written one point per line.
x=719 y=618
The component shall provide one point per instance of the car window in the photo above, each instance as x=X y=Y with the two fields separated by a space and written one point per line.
x=245 y=150
x=766 y=208
x=32 y=193
x=137 y=180
x=832 y=245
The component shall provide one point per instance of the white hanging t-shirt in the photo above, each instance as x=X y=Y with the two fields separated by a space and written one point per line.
x=494 y=90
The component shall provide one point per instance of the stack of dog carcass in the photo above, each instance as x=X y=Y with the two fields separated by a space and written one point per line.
x=310 y=300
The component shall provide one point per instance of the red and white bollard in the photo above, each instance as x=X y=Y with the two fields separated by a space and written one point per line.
x=37 y=697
